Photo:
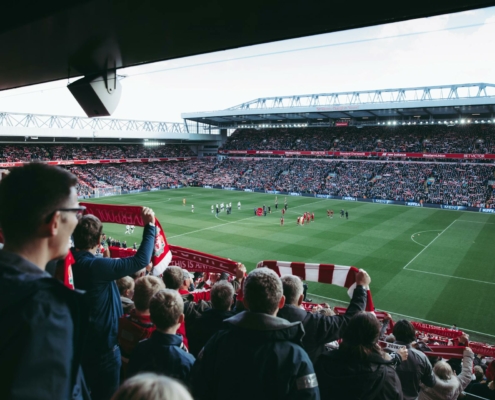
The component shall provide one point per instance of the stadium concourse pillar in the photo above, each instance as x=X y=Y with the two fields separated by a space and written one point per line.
x=223 y=135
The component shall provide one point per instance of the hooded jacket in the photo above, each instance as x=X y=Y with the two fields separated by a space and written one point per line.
x=344 y=378
x=450 y=389
x=163 y=354
x=257 y=357
x=42 y=329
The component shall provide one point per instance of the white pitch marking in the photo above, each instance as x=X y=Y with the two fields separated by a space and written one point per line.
x=434 y=230
x=428 y=245
x=407 y=316
x=451 y=276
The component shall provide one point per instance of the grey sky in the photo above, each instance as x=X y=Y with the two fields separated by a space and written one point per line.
x=387 y=56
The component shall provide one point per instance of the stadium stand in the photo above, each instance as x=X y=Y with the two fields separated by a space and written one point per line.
x=49 y=152
x=474 y=139
x=450 y=183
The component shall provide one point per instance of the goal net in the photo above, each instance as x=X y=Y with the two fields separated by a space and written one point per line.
x=108 y=191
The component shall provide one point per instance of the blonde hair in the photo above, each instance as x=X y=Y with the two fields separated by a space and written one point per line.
x=145 y=289
x=443 y=370
x=151 y=387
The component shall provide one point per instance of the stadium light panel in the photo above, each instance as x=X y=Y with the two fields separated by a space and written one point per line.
x=476 y=122
x=463 y=121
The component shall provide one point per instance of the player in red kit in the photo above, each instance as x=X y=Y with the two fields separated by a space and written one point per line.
x=328 y=213
x=282 y=221
x=283 y=211
x=331 y=214
x=312 y=216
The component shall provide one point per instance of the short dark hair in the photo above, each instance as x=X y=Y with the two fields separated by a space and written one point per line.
x=173 y=277
x=263 y=291
x=404 y=331
x=222 y=295
x=166 y=306
x=27 y=197
x=87 y=233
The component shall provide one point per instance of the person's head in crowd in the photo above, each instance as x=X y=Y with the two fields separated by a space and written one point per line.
x=293 y=290
x=222 y=296
x=404 y=331
x=126 y=287
x=456 y=365
x=360 y=338
x=263 y=292
x=167 y=310
x=87 y=233
x=145 y=289
x=151 y=386
x=478 y=373
x=443 y=370
x=38 y=212
x=186 y=280
x=173 y=277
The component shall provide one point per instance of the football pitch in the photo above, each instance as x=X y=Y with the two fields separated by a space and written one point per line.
x=430 y=265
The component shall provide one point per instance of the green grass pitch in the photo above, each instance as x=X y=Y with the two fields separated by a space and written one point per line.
x=427 y=264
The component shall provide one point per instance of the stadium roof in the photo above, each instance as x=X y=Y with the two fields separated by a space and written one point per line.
x=430 y=103
x=56 y=39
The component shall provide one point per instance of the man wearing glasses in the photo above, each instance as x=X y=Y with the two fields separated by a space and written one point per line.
x=42 y=322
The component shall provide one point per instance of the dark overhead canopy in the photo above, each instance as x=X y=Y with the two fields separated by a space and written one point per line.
x=53 y=39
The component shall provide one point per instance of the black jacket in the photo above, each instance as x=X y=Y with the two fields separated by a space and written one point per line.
x=162 y=354
x=42 y=327
x=264 y=353
x=203 y=328
x=415 y=369
x=321 y=329
x=342 y=378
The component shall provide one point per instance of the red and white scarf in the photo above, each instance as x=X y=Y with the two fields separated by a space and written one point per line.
x=131 y=215
x=340 y=275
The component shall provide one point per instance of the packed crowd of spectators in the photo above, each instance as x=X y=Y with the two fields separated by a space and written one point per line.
x=182 y=335
x=474 y=139
x=461 y=184
x=52 y=152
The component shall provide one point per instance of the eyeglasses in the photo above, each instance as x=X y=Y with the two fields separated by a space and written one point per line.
x=78 y=210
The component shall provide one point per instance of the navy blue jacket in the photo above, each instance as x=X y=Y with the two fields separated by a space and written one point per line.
x=161 y=353
x=259 y=357
x=200 y=330
x=42 y=326
x=97 y=277
x=320 y=329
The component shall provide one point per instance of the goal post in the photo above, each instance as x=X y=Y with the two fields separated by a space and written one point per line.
x=108 y=191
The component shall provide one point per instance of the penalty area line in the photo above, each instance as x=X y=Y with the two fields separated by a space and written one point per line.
x=429 y=244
